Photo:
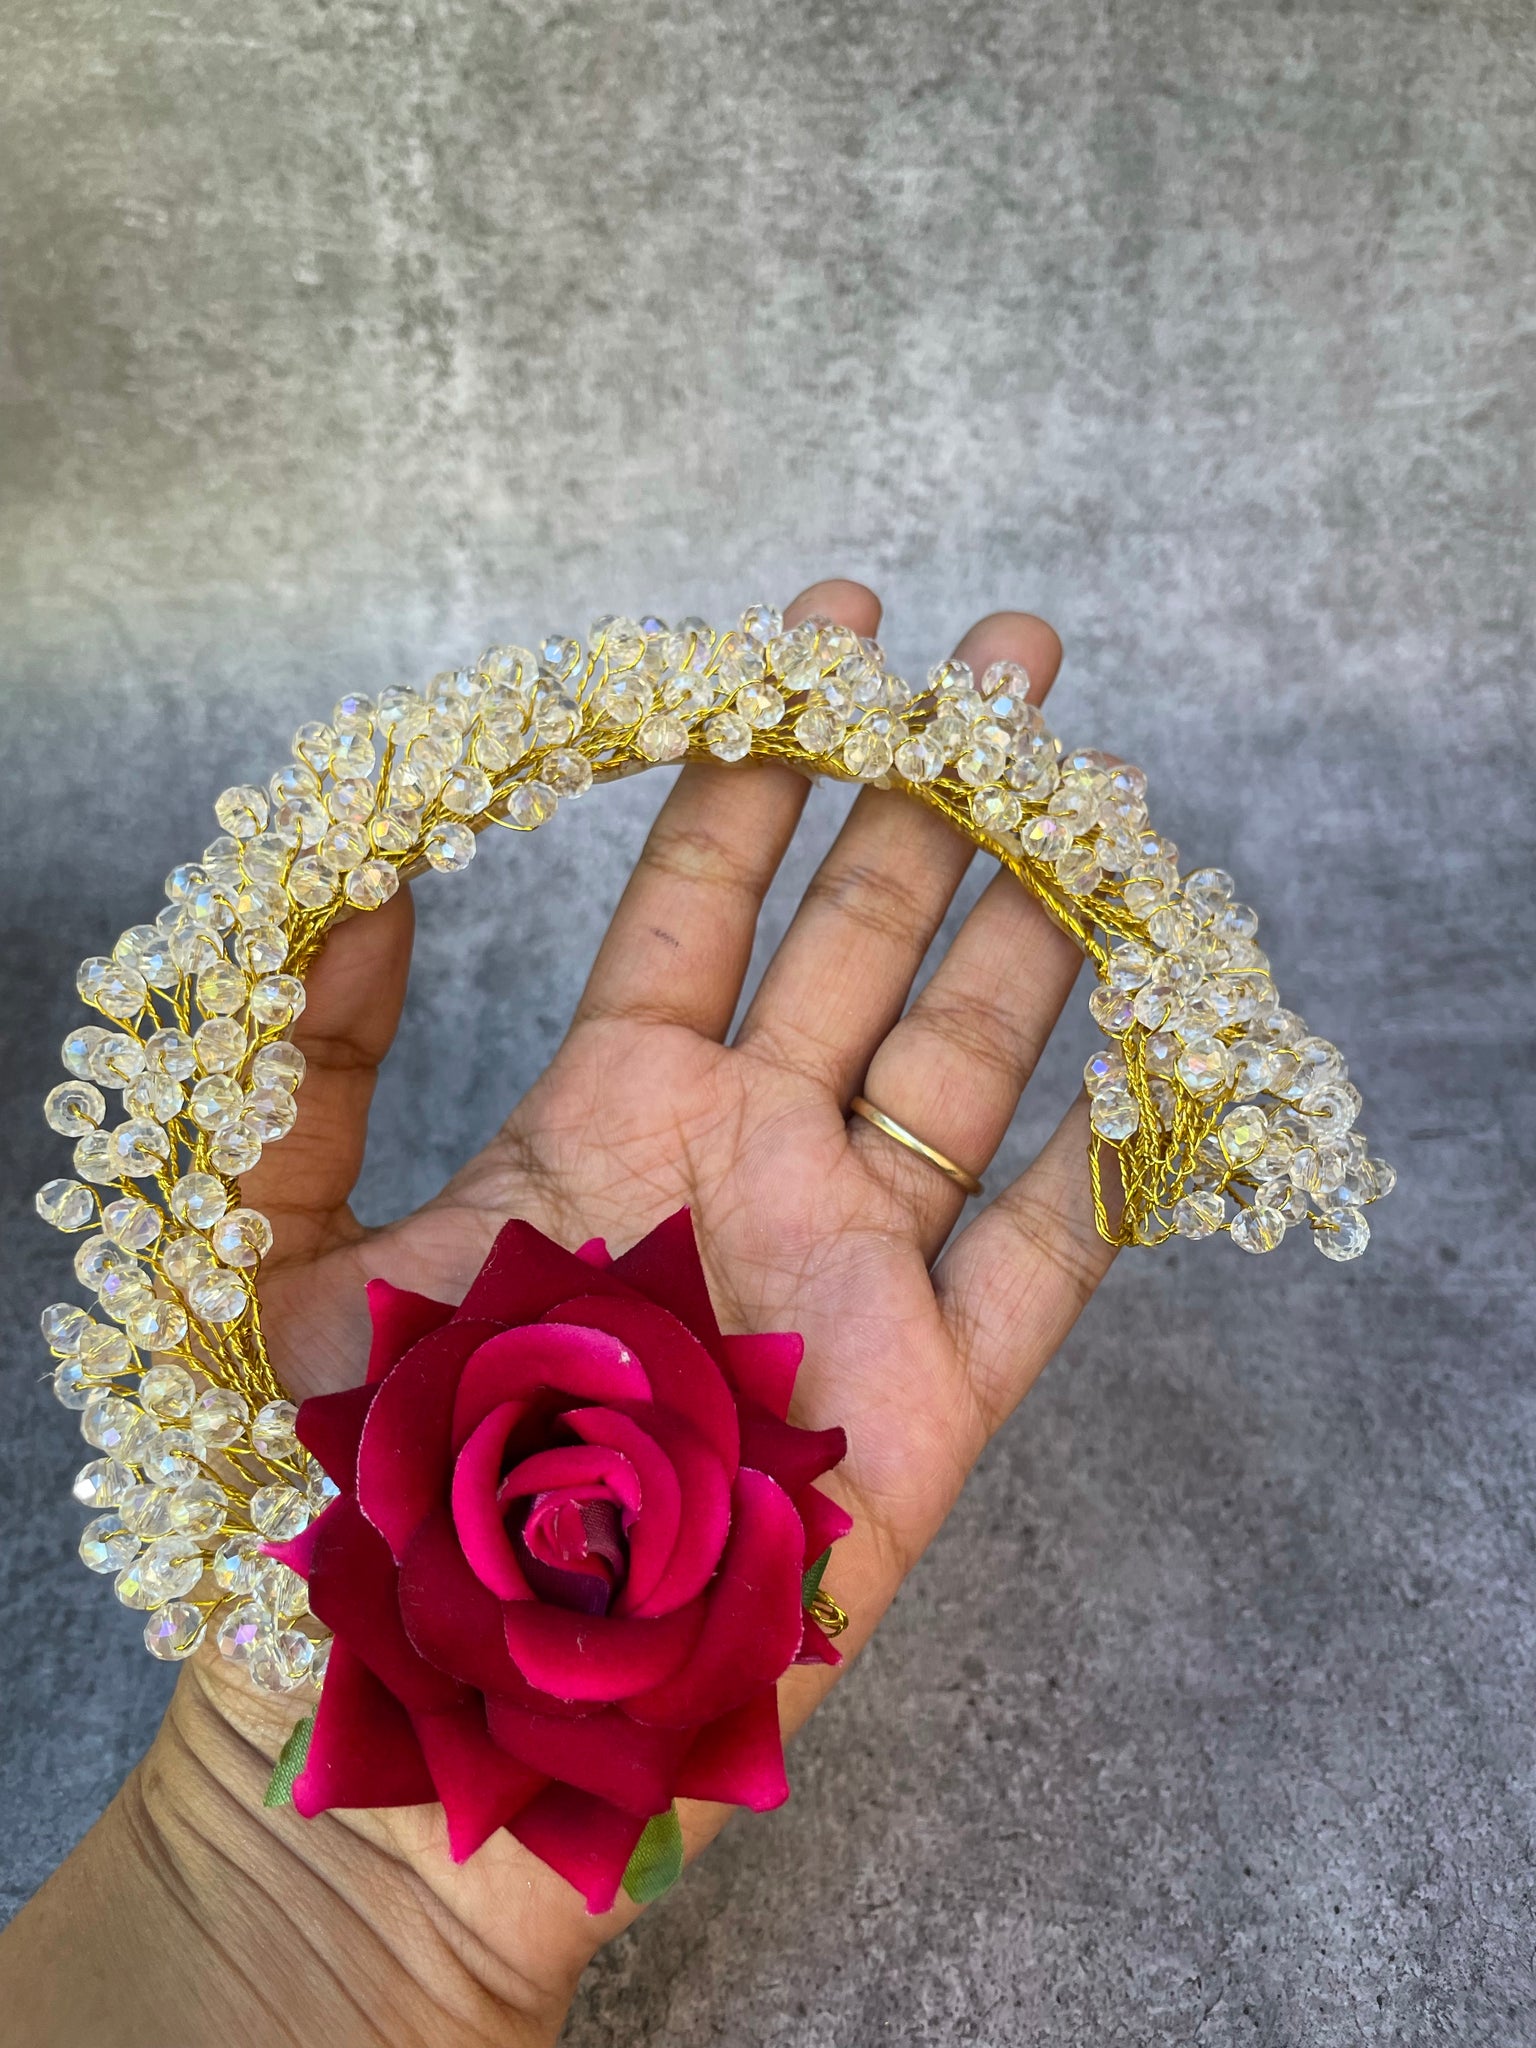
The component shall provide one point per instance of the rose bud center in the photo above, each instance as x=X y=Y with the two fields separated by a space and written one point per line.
x=571 y=1545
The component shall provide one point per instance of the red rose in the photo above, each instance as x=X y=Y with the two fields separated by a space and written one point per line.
x=564 y=1570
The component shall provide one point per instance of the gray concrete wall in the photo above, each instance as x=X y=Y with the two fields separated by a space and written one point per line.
x=339 y=339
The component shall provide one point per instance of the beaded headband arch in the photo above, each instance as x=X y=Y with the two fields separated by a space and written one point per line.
x=1222 y=1112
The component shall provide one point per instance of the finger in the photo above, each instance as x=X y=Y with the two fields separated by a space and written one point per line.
x=953 y=1069
x=1012 y=1285
x=354 y=995
x=842 y=974
x=680 y=942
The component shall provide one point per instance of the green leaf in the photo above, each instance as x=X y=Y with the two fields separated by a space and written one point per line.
x=657 y=1863
x=810 y=1585
x=290 y=1762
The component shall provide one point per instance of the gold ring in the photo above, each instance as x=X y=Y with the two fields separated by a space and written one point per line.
x=892 y=1129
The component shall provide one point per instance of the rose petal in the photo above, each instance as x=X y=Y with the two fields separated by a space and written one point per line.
x=400 y=1319
x=704 y=1514
x=585 y=1840
x=594 y=1252
x=353 y=1588
x=752 y=1617
x=457 y=1625
x=518 y=1365
x=794 y=1457
x=653 y=1532
x=606 y=1754
x=763 y=1366
x=525 y=1273
x=666 y=1268
x=682 y=1375
x=330 y=1426
x=403 y=1458
x=825 y=1522
x=582 y=1466
x=816 y=1646
x=477 y=1513
x=480 y=1785
x=739 y=1758
x=362 y=1748
x=599 y=1657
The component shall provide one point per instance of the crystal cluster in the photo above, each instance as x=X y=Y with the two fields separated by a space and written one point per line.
x=1221 y=1110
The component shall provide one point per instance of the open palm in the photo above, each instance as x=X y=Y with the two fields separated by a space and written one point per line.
x=806 y=1220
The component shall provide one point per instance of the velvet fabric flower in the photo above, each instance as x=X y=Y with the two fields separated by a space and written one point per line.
x=564 y=1570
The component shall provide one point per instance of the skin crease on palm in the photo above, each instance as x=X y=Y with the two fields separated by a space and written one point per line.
x=807 y=1220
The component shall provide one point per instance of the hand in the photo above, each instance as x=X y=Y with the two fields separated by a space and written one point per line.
x=806 y=1220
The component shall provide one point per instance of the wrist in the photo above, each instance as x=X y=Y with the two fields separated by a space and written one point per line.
x=192 y=1913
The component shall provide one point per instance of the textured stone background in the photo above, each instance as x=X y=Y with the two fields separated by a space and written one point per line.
x=339 y=339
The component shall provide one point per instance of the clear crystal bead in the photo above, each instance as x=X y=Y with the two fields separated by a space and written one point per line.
x=1244 y=1132
x=761 y=623
x=395 y=831
x=1114 y=1114
x=728 y=736
x=218 y=1297
x=102 y=1483
x=173 y=1631
x=269 y=1113
x=449 y=847
x=168 y=1391
x=215 y=1101
x=1202 y=1064
x=242 y=811
x=63 y=1325
x=867 y=753
x=102 y=1351
x=170 y=1460
x=372 y=884
x=919 y=759
x=343 y=847
x=218 y=1418
x=198 y=1508
x=242 y=1237
x=279 y=1512
x=240 y=1628
x=66 y=1204
x=1258 y=1229
x=278 y=1066
x=530 y=804
x=199 y=1199
x=155 y=1096
x=74 y=1108
x=234 y=1151
x=115 y=990
x=106 y=1546
x=171 y=1053
x=818 y=730
x=662 y=737
x=312 y=883
x=996 y=810
x=78 y=1049
x=1111 y=1011
x=272 y=1430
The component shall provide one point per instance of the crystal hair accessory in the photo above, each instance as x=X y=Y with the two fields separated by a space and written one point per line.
x=1220 y=1111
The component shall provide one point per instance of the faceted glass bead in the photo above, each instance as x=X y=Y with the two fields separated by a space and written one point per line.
x=169 y=1568
x=94 y=1161
x=115 y=990
x=102 y=1483
x=979 y=765
x=237 y=1562
x=173 y=1631
x=168 y=1391
x=567 y=772
x=867 y=753
x=1244 y=1133
x=62 y=1326
x=74 y=1108
x=449 y=847
x=72 y=1388
x=1377 y=1179
x=107 y=1420
x=106 y=1546
x=728 y=736
x=234 y=1150
x=1129 y=966
x=218 y=1418
x=1111 y=1011
x=1199 y=1214
x=311 y=883
x=1078 y=871
x=131 y=1224
x=172 y=1053
x=183 y=1259
x=1258 y=1229
x=242 y=811
x=278 y=1066
x=217 y=1297
x=372 y=884
x=919 y=759
x=242 y=1238
x=276 y=1000
x=466 y=792
x=1207 y=891
x=198 y=1508
x=214 y=1102
x=102 y=1351
x=1331 y=1109
x=818 y=729
x=280 y=1589
x=1202 y=1064
x=761 y=705
x=1105 y=1066
x=996 y=810
x=240 y=1628
x=1343 y=1235
x=280 y=1663
x=155 y=1096
x=1196 y=1017
x=221 y=989
x=395 y=831
x=263 y=950
x=761 y=623
x=279 y=1512
x=312 y=743
x=530 y=804
x=66 y=1204
x=662 y=737
x=78 y=1048
x=137 y=1147
x=272 y=1430
x=170 y=1459
x=221 y=1044
x=199 y=1199
x=1114 y=1114
x=343 y=847
x=269 y=1113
